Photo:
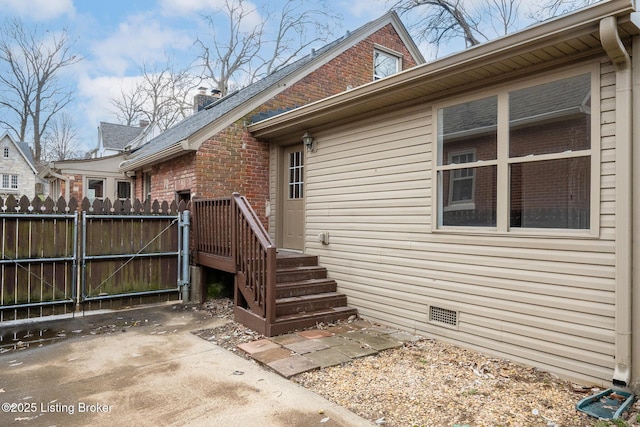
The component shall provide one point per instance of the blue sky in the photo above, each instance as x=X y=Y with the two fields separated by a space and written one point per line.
x=116 y=36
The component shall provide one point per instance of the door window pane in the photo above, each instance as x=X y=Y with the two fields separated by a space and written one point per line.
x=296 y=173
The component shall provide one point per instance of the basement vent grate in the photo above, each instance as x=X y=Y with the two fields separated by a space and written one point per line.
x=442 y=315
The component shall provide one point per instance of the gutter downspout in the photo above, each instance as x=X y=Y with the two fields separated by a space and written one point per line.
x=618 y=54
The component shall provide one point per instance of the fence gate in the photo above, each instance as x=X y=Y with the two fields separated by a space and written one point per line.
x=39 y=264
x=59 y=263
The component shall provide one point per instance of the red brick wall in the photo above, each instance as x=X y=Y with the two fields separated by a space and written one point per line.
x=234 y=161
x=76 y=190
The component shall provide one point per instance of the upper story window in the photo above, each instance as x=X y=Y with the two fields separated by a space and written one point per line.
x=384 y=64
x=519 y=159
x=5 y=152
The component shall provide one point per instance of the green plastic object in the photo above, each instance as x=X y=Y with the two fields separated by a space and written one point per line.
x=607 y=405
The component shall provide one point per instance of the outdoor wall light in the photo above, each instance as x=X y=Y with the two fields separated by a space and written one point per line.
x=309 y=142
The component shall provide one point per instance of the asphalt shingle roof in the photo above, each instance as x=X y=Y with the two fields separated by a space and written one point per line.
x=199 y=120
x=116 y=137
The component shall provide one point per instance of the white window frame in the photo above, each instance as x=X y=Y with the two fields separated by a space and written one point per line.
x=462 y=204
x=117 y=196
x=9 y=182
x=503 y=162
x=5 y=152
x=295 y=175
x=93 y=197
x=388 y=53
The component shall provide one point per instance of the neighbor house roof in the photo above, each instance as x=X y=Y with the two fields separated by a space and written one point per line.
x=197 y=128
x=543 y=47
x=24 y=149
x=116 y=137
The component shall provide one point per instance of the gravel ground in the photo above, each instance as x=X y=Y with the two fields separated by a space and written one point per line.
x=429 y=383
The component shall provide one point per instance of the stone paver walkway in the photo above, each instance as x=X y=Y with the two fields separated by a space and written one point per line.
x=298 y=352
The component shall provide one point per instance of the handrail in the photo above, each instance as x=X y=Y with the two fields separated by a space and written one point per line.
x=230 y=229
x=255 y=256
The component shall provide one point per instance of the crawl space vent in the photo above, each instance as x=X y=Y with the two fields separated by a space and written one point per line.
x=444 y=316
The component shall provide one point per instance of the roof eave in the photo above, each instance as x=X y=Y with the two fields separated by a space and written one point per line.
x=562 y=28
x=178 y=149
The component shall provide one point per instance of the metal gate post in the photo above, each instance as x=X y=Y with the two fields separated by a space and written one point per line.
x=185 y=256
x=76 y=271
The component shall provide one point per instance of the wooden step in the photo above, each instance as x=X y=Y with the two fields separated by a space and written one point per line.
x=299 y=321
x=292 y=260
x=297 y=274
x=308 y=303
x=305 y=287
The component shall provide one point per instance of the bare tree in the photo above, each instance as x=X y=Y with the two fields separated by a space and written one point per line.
x=29 y=67
x=60 y=140
x=128 y=107
x=440 y=21
x=550 y=8
x=247 y=52
x=161 y=97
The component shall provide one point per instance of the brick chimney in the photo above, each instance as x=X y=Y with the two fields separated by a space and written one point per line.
x=201 y=99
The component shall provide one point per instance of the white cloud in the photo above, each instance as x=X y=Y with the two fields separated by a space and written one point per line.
x=39 y=10
x=366 y=9
x=138 y=40
x=187 y=7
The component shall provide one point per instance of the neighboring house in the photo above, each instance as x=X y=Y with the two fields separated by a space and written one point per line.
x=114 y=138
x=98 y=177
x=18 y=174
x=90 y=178
x=211 y=154
x=488 y=198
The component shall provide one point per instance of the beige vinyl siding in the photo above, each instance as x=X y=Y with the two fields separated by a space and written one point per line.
x=543 y=301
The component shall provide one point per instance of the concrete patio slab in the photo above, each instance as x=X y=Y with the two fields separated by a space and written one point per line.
x=288 y=338
x=355 y=350
x=258 y=346
x=328 y=357
x=314 y=334
x=307 y=346
x=157 y=373
x=272 y=355
x=333 y=341
x=293 y=365
x=374 y=341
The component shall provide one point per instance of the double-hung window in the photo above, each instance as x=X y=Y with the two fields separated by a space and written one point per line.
x=518 y=158
x=10 y=182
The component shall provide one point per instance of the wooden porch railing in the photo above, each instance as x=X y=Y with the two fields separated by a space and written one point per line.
x=229 y=236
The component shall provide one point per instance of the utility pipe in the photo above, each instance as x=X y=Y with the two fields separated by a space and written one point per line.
x=186 y=225
x=621 y=60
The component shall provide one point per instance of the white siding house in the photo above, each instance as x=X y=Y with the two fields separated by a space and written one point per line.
x=489 y=198
x=17 y=170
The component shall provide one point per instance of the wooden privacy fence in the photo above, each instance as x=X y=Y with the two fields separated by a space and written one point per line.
x=58 y=256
